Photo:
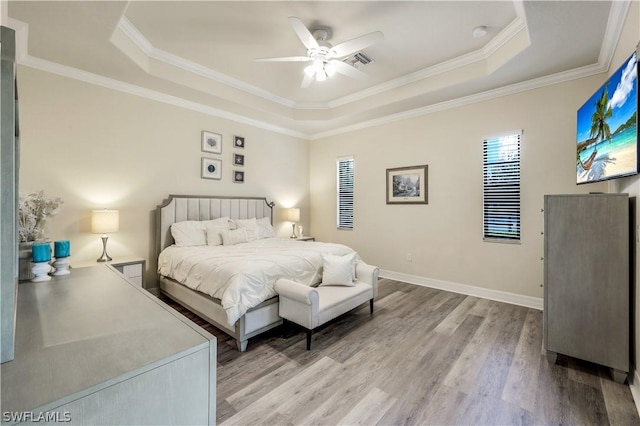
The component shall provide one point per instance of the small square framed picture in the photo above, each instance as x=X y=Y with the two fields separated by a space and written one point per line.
x=238 y=160
x=211 y=168
x=238 y=176
x=238 y=142
x=211 y=142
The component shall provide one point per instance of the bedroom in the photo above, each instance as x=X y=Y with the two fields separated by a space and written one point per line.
x=96 y=146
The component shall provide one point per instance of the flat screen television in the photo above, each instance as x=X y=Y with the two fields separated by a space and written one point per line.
x=607 y=135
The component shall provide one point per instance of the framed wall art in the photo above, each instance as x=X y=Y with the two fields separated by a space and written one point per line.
x=238 y=159
x=238 y=142
x=238 y=176
x=211 y=168
x=211 y=142
x=407 y=185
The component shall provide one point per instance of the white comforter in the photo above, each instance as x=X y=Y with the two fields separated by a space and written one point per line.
x=242 y=276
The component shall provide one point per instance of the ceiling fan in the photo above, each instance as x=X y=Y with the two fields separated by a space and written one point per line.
x=326 y=59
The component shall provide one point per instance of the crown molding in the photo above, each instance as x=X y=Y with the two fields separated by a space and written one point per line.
x=153 y=53
x=615 y=22
x=537 y=83
x=131 y=89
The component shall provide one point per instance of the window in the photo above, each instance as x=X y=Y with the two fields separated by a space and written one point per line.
x=501 y=202
x=345 y=180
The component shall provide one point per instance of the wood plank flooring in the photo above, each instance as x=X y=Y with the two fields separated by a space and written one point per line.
x=424 y=357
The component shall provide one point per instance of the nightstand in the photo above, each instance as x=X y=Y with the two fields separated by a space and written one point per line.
x=132 y=268
x=306 y=238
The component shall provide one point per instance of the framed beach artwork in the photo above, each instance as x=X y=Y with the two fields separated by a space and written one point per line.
x=407 y=185
x=211 y=168
x=211 y=142
x=238 y=142
x=238 y=159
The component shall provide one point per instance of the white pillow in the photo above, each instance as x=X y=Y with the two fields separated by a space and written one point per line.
x=188 y=233
x=251 y=225
x=234 y=236
x=214 y=229
x=265 y=229
x=338 y=270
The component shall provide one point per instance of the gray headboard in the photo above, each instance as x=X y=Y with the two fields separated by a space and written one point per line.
x=178 y=208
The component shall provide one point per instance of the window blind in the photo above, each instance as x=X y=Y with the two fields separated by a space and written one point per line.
x=345 y=178
x=501 y=195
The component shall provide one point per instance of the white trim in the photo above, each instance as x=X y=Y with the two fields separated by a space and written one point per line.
x=517 y=132
x=615 y=22
x=634 y=386
x=109 y=83
x=485 y=293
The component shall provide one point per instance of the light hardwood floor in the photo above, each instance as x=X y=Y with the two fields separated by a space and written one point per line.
x=424 y=357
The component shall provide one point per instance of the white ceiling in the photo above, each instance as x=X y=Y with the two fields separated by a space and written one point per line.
x=200 y=54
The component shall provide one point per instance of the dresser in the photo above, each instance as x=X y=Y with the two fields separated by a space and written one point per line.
x=93 y=348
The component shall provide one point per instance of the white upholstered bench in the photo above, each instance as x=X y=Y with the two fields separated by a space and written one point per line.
x=311 y=307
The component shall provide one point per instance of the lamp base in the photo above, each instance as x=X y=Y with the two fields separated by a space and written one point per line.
x=105 y=257
x=293 y=231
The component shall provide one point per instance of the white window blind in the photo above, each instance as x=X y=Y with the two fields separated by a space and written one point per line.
x=501 y=202
x=345 y=178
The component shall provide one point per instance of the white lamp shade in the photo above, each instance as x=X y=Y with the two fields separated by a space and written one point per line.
x=293 y=215
x=105 y=221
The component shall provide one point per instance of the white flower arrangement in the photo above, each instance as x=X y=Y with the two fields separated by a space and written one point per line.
x=34 y=208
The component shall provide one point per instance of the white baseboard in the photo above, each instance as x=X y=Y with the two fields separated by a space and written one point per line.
x=485 y=293
x=634 y=385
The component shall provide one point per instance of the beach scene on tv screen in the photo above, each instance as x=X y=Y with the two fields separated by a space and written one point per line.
x=607 y=133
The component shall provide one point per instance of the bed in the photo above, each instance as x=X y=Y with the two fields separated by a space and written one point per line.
x=187 y=277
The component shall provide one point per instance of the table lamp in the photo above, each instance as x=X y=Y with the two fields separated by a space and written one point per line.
x=104 y=222
x=293 y=216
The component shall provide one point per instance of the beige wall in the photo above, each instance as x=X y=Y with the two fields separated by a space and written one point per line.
x=97 y=148
x=445 y=236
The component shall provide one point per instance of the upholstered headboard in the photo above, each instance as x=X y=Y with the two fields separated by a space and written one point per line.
x=178 y=208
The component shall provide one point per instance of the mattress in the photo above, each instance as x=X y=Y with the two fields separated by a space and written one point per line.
x=243 y=275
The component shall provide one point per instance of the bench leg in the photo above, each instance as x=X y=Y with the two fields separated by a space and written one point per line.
x=308 y=340
x=371 y=306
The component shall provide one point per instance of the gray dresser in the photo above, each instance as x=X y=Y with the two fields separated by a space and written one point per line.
x=586 y=276
x=94 y=349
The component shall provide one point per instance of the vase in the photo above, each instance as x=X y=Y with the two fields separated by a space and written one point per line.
x=24 y=261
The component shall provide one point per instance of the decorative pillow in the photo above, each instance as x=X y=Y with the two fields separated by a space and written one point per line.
x=265 y=229
x=214 y=229
x=251 y=225
x=234 y=236
x=338 y=270
x=188 y=233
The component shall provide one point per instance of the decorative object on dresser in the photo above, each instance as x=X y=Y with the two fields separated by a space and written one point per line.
x=238 y=159
x=105 y=222
x=407 y=185
x=211 y=168
x=33 y=211
x=238 y=142
x=41 y=256
x=293 y=216
x=307 y=238
x=238 y=176
x=586 y=279
x=61 y=251
x=211 y=142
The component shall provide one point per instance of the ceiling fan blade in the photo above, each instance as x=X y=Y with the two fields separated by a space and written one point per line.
x=351 y=46
x=303 y=33
x=285 y=59
x=306 y=81
x=348 y=70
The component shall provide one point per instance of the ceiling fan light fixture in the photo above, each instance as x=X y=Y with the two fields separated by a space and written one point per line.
x=321 y=76
x=330 y=69
x=309 y=71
